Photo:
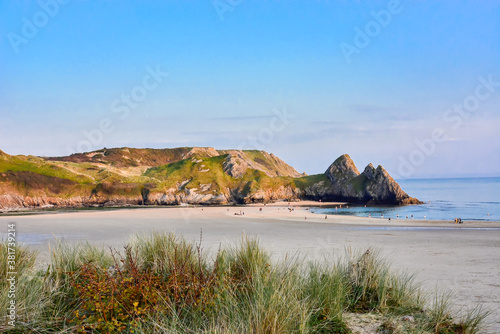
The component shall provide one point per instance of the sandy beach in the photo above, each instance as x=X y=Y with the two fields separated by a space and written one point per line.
x=445 y=256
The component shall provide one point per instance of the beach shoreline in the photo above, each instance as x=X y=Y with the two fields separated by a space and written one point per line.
x=462 y=258
x=300 y=206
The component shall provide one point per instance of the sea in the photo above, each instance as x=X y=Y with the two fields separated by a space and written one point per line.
x=470 y=199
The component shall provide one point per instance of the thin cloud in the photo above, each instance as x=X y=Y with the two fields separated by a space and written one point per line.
x=371 y=108
x=238 y=118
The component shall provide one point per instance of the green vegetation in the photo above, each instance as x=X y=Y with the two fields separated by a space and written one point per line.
x=207 y=173
x=310 y=180
x=161 y=283
x=40 y=166
x=126 y=172
x=359 y=183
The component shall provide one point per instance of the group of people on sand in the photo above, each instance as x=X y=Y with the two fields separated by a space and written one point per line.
x=291 y=208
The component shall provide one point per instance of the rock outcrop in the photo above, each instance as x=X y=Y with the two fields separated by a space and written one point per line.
x=235 y=165
x=374 y=185
x=340 y=173
x=239 y=161
x=287 y=193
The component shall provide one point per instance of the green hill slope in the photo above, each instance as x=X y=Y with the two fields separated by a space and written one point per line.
x=129 y=176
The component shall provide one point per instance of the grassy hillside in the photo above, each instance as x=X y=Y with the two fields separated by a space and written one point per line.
x=170 y=176
x=40 y=166
x=128 y=157
x=310 y=180
x=126 y=172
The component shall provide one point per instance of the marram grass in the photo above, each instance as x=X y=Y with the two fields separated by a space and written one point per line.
x=162 y=283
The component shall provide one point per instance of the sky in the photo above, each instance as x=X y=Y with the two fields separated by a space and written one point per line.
x=410 y=85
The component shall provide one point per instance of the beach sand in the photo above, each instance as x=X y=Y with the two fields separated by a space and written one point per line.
x=464 y=259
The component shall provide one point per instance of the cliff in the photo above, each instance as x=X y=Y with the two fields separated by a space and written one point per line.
x=128 y=176
x=373 y=185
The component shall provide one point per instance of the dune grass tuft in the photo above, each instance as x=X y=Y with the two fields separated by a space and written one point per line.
x=162 y=283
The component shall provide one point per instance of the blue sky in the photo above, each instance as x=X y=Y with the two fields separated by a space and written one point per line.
x=235 y=66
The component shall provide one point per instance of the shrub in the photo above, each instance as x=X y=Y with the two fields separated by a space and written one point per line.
x=162 y=283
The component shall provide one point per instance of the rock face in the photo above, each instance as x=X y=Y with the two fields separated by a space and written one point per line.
x=340 y=173
x=286 y=193
x=239 y=161
x=235 y=165
x=374 y=185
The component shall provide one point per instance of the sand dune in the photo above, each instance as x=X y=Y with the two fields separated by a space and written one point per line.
x=462 y=258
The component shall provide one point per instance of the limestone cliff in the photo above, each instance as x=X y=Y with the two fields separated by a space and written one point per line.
x=127 y=176
x=374 y=185
x=238 y=162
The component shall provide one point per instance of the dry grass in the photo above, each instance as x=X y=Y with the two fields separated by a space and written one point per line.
x=161 y=283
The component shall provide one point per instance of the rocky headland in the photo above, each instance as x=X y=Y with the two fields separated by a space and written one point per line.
x=190 y=175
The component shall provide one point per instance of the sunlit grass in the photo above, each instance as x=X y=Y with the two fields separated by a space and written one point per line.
x=163 y=283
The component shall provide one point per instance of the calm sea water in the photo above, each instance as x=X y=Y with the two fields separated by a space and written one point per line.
x=445 y=199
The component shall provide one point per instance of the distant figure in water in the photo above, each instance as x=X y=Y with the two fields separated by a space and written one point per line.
x=411 y=216
x=397 y=216
x=425 y=217
x=382 y=215
x=369 y=215
x=406 y=216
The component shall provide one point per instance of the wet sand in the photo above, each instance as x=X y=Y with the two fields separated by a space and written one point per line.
x=462 y=258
